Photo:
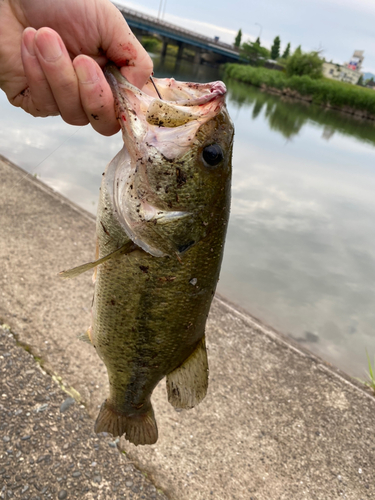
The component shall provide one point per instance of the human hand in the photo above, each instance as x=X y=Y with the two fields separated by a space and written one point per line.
x=51 y=55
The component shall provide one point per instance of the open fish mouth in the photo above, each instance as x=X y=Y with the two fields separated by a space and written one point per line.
x=168 y=89
x=180 y=103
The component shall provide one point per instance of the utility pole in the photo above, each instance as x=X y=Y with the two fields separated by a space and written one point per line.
x=160 y=6
x=162 y=9
x=260 y=31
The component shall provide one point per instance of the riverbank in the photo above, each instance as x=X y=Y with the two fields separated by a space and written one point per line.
x=342 y=96
x=278 y=423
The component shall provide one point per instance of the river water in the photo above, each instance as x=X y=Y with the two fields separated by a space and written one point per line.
x=300 y=251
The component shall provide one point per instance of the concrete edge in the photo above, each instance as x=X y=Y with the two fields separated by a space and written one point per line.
x=291 y=344
x=44 y=187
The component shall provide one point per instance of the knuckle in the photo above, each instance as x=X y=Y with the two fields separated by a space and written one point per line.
x=66 y=86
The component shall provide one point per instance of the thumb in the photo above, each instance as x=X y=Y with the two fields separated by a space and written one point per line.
x=122 y=47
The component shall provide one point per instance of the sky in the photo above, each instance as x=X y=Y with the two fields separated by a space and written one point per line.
x=337 y=27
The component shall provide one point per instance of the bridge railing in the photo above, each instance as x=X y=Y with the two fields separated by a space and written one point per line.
x=173 y=27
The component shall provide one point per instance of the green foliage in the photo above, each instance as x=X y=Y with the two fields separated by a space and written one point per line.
x=257 y=41
x=360 y=81
x=281 y=116
x=286 y=53
x=237 y=40
x=255 y=76
x=321 y=91
x=151 y=44
x=275 y=49
x=370 y=382
x=308 y=63
x=254 y=53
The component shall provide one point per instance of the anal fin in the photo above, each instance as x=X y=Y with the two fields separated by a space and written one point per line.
x=187 y=385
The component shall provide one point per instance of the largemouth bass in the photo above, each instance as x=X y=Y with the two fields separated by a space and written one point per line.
x=161 y=225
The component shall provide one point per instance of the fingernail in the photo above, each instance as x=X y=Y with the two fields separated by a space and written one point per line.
x=86 y=72
x=48 y=45
x=28 y=40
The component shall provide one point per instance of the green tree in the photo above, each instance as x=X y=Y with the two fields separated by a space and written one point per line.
x=275 y=49
x=361 y=82
x=286 y=52
x=254 y=53
x=151 y=44
x=237 y=40
x=257 y=41
x=308 y=63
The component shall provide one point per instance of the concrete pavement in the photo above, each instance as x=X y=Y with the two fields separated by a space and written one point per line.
x=48 y=449
x=277 y=424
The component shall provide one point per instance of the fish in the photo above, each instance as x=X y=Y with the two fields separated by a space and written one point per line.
x=161 y=225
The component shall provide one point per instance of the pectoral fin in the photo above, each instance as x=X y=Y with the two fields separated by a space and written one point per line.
x=187 y=385
x=76 y=271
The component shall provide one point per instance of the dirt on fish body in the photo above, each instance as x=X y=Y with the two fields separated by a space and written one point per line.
x=161 y=225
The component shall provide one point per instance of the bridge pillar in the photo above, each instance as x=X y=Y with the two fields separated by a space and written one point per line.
x=164 y=48
x=180 y=51
x=198 y=56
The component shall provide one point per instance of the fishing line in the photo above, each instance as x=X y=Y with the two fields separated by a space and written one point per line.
x=155 y=87
x=44 y=159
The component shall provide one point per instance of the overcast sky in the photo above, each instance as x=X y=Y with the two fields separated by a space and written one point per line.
x=338 y=27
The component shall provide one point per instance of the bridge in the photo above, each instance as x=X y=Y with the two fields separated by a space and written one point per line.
x=172 y=34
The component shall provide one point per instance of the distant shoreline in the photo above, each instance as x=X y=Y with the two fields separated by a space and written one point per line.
x=330 y=94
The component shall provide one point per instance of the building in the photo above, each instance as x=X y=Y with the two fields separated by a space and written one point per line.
x=347 y=72
x=356 y=60
x=342 y=73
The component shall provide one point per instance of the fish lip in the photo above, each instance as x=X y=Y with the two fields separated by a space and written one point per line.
x=114 y=77
x=217 y=89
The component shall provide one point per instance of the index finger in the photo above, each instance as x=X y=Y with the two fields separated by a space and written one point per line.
x=96 y=96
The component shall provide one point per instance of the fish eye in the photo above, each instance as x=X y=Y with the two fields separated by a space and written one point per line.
x=212 y=155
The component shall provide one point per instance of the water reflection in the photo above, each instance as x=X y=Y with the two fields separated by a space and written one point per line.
x=69 y=159
x=288 y=116
x=299 y=253
x=184 y=71
x=301 y=237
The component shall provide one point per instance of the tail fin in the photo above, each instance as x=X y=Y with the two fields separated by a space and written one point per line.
x=139 y=428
